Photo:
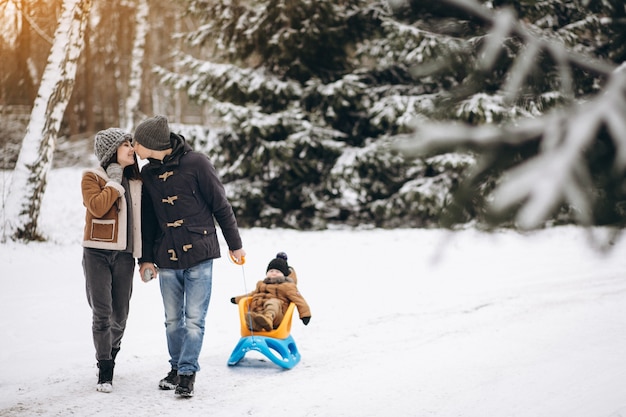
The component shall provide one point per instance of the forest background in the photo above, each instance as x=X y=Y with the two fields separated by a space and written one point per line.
x=347 y=112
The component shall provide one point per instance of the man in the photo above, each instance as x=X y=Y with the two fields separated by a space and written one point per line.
x=182 y=197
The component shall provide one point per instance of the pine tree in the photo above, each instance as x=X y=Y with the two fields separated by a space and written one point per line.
x=309 y=95
x=313 y=97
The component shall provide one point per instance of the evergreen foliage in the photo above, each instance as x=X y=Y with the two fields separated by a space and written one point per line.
x=557 y=156
x=309 y=95
x=312 y=97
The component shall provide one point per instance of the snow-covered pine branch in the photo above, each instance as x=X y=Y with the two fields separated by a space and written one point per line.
x=504 y=25
x=205 y=80
x=563 y=171
x=558 y=175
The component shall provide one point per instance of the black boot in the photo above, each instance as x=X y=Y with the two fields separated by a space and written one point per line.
x=114 y=353
x=105 y=376
x=185 y=385
x=170 y=381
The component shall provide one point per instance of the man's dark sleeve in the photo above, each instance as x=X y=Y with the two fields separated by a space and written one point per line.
x=149 y=228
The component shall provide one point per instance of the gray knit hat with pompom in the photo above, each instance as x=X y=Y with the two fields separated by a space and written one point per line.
x=107 y=141
x=154 y=133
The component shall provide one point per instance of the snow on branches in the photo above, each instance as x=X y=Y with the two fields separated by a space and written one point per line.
x=571 y=158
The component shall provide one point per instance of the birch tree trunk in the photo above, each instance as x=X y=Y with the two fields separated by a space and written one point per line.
x=28 y=181
x=136 y=73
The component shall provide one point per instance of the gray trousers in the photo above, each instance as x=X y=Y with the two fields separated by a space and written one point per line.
x=109 y=285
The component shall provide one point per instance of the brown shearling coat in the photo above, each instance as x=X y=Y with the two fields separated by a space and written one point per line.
x=106 y=214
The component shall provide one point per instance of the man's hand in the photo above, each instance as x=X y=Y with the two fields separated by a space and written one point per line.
x=147 y=271
x=237 y=255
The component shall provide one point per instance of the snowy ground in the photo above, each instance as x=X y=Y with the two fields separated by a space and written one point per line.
x=405 y=323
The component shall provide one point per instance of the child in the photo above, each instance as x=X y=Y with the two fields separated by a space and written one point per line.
x=272 y=296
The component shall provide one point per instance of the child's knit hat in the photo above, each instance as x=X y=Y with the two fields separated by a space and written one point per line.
x=279 y=264
x=107 y=141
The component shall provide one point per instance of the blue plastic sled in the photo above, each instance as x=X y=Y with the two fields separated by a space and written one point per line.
x=277 y=345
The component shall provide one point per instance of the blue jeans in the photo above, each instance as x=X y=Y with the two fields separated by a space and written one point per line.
x=186 y=295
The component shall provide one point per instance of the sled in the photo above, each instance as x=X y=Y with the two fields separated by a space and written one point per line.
x=277 y=345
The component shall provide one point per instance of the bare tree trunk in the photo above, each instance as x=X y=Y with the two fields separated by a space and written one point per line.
x=28 y=182
x=178 y=110
x=23 y=57
x=136 y=73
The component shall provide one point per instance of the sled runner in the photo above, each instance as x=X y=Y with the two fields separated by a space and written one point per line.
x=277 y=345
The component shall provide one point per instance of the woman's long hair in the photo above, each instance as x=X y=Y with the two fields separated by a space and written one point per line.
x=131 y=172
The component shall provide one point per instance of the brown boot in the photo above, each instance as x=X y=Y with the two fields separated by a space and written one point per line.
x=250 y=320
x=263 y=322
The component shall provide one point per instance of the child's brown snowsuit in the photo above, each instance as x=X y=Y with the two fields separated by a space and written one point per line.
x=270 y=300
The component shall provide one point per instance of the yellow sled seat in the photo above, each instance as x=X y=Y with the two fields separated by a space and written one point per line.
x=281 y=332
x=278 y=341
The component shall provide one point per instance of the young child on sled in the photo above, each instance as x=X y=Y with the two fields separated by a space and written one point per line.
x=272 y=296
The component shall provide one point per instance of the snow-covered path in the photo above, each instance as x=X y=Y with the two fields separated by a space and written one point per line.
x=405 y=323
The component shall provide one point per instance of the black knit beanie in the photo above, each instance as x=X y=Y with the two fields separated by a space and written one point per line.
x=154 y=133
x=279 y=264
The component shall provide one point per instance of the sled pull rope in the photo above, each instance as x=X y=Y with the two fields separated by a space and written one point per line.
x=245 y=287
x=243 y=271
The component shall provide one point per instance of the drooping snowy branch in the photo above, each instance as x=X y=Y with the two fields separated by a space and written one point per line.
x=504 y=24
x=204 y=80
x=560 y=173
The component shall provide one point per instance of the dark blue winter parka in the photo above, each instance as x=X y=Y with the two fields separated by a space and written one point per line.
x=182 y=198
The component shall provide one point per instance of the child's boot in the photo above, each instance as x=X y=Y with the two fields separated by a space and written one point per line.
x=250 y=321
x=263 y=322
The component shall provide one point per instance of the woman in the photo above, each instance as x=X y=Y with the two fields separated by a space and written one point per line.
x=112 y=241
